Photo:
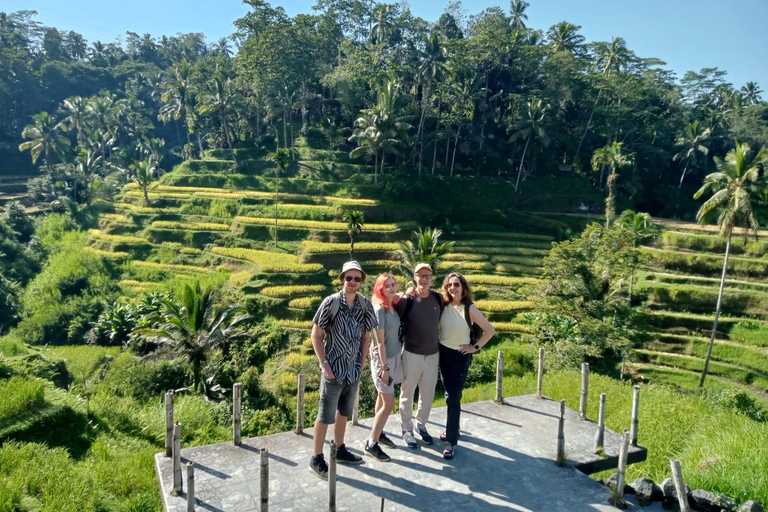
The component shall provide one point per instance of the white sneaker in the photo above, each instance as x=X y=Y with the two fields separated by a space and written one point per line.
x=409 y=440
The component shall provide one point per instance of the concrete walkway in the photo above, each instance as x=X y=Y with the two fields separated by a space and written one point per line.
x=504 y=461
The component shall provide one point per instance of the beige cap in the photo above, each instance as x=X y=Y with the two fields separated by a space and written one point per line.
x=422 y=266
x=351 y=265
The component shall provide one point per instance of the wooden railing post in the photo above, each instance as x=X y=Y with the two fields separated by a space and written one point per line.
x=237 y=412
x=264 y=480
x=190 y=487
x=635 y=416
x=677 y=478
x=500 y=378
x=300 y=406
x=600 y=436
x=560 y=461
x=617 y=499
x=169 y=423
x=540 y=383
x=584 y=390
x=178 y=486
x=332 y=479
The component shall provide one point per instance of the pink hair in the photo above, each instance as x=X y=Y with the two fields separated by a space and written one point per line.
x=378 y=290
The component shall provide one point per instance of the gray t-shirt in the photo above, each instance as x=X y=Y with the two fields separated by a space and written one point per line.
x=390 y=322
x=422 y=334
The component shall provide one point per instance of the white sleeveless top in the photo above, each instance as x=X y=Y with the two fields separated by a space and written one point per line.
x=454 y=330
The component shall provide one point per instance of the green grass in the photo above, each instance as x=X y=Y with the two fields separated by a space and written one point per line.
x=711 y=243
x=706 y=281
x=288 y=291
x=314 y=224
x=502 y=280
x=750 y=332
x=193 y=226
x=269 y=261
x=19 y=396
x=696 y=364
x=312 y=247
x=707 y=264
x=171 y=267
x=504 y=306
x=702 y=298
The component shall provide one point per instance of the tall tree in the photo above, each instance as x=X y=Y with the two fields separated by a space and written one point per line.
x=427 y=249
x=281 y=158
x=46 y=137
x=433 y=63
x=751 y=93
x=564 y=37
x=517 y=10
x=613 y=156
x=144 y=173
x=221 y=99
x=531 y=127
x=355 y=220
x=176 y=97
x=737 y=187
x=692 y=144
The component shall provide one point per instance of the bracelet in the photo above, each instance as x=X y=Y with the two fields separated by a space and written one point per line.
x=385 y=368
x=324 y=362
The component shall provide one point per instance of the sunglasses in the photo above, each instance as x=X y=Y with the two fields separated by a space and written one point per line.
x=350 y=279
x=454 y=285
x=424 y=277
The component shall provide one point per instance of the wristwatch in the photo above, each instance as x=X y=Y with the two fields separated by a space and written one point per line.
x=323 y=363
x=477 y=347
x=385 y=368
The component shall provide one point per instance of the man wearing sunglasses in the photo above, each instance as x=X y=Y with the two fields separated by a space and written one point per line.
x=340 y=336
x=419 y=320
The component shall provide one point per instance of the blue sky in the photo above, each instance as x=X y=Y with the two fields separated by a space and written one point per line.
x=686 y=34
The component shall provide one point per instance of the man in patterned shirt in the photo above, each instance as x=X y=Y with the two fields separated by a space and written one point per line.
x=340 y=336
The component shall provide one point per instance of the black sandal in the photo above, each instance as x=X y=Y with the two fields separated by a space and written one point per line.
x=448 y=451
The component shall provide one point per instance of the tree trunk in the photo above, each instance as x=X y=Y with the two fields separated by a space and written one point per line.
x=420 y=133
x=589 y=122
x=226 y=131
x=610 y=207
x=285 y=128
x=680 y=187
x=382 y=164
x=376 y=169
x=455 y=145
x=520 y=170
x=277 y=194
x=437 y=132
x=717 y=310
x=482 y=114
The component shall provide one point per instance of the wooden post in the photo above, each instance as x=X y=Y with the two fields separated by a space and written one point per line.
x=264 y=480
x=237 y=412
x=561 y=436
x=190 y=487
x=600 y=436
x=635 y=414
x=499 y=378
x=677 y=478
x=618 y=494
x=584 y=390
x=356 y=408
x=540 y=384
x=177 y=483
x=300 y=406
x=332 y=479
x=169 y=423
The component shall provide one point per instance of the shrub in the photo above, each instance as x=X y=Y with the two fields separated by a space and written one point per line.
x=269 y=261
x=288 y=291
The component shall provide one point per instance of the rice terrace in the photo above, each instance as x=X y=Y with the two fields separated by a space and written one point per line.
x=174 y=210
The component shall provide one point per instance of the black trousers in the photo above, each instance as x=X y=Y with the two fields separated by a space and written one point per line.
x=454 y=367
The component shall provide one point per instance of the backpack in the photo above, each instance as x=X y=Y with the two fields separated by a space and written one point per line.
x=336 y=304
x=474 y=330
x=408 y=306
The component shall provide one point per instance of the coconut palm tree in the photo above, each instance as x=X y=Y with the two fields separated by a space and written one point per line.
x=614 y=157
x=355 y=220
x=144 y=174
x=75 y=108
x=692 y=143
x=433 y=63
x=564 y=37
x=194 y=326
x=46 y=137
x=751 y=93
x=531 y=127
x=281 y=158
x=517 y=10
x=221 y=99
x=427 y=249
x=87 y=166
x=641 y=227
x=737 y=187
x=176 y=97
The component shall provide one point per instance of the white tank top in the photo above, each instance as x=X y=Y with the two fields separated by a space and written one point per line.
x=454 y=330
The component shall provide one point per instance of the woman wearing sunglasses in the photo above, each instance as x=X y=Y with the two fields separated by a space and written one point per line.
x=457 y=344
x=386 y=363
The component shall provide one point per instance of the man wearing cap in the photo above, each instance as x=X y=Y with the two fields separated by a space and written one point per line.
x=420 y=314
x=340 y=336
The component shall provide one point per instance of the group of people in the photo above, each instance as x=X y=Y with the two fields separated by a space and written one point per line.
x=415 y=334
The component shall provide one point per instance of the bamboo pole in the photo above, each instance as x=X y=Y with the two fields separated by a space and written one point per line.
x=356 y=408
x=300 y=406
x=677 y=478
x=237 y=412
x=635 y=416
x=499 y=378
x=177 y=483
x=584 y=390
x=618 y=493
x=169 y=423
x=600 y=436
x=264 y=480
x=561 y=436
x=190 y=487
x=540 y=383
x=332 y=479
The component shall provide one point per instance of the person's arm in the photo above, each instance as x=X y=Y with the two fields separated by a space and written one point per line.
x=488 y=331
x=317 y=344
x=366 y=343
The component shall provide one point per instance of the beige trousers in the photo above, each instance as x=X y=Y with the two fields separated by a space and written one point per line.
x=419 y=371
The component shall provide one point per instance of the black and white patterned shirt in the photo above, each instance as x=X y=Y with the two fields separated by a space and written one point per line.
x=343 y=346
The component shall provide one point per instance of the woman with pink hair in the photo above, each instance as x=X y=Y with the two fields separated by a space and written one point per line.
x=386 y=364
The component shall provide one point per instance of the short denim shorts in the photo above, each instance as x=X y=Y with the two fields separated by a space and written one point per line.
x=336 y=396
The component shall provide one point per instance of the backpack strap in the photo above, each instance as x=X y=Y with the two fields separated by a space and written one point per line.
x=335 y=304
x=404 y=319
x=439 y=299
x=468 y=318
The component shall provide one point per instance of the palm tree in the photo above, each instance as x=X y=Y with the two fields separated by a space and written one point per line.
x=640 y=226
x=433 y=63
x=691 y=143
x=427 y=249
x=144 y=174
x=176 y=97
x=517 y=10
x=87 y=165
x=751 y=93
x=613 y=156
x=462 y=95
x=220 y=99
x=531 y=127
x=564 y=37
x=76 y=110
x=737 y=186
x=46 y=136
x=194 y=326
x=102 y=114
x=281 y=159
x=355 y=220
